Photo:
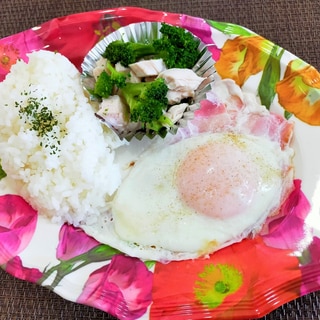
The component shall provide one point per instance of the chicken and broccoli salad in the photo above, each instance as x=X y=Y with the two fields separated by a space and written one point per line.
x=148 y=88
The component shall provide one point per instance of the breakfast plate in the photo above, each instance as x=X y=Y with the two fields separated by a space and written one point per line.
x=245 y=280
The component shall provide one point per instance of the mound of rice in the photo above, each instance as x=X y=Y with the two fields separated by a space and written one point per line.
x=67 y=173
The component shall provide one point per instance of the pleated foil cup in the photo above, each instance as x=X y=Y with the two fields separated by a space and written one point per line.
x=146 y=32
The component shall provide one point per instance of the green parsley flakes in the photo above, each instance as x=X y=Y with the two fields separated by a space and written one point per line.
x=40 y=119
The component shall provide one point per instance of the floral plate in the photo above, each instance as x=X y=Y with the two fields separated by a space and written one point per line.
x=246 y=280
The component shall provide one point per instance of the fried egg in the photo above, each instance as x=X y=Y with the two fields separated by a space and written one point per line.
x=192 y=197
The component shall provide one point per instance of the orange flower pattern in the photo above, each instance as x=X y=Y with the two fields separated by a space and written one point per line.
x=299 y=91
x=242 y=57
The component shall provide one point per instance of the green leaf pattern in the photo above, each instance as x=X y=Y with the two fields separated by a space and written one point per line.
x=270 y=76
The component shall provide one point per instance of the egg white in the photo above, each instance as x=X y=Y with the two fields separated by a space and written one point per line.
x=151 y=218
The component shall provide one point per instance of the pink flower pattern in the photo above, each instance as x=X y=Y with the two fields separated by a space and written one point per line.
x=18 y=221
x=73 y=242
x=16 y=268
x=17 y=47
x=122 y=287
x=287 y=229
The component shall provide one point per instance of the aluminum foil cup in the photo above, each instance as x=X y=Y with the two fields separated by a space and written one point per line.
x=145 y=32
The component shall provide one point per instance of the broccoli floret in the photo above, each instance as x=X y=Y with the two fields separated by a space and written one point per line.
x=146 y=100
x=127 y=52
x=118 y=78
x=160 y=126
x=108 y=80
x=103 y=87
x=177 y=47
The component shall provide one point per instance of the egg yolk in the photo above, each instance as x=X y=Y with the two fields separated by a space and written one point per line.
x=220 y=179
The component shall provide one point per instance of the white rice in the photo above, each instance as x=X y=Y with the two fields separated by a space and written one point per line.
x=75 y=183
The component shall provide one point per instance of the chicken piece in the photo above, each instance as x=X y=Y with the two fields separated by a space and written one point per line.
x=175 y=96
x=175 y=113
x=148 y=68
x=181 y=79
x=132 y=76
x=114 y=112
x=100 y=66
x=119 y=67
x=182 y=113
